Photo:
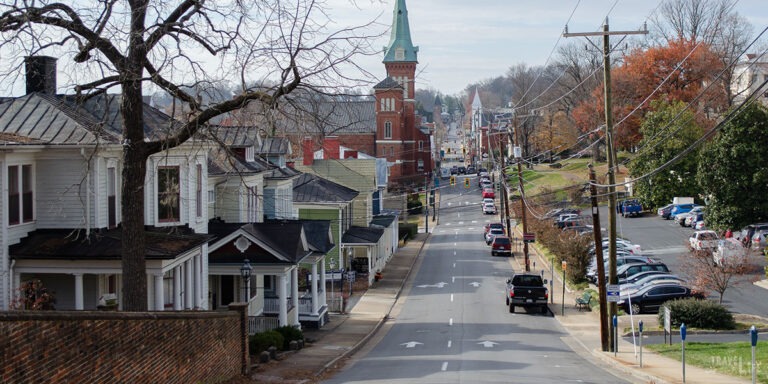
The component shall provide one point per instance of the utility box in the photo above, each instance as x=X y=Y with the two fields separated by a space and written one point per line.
x=682 y=200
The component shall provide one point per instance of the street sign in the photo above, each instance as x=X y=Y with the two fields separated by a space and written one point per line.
x=612 y=293
x=529 y=237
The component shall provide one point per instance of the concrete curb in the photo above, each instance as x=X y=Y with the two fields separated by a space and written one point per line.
x=381 y=321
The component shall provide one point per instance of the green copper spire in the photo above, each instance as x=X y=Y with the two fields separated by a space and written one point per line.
x=400 y=48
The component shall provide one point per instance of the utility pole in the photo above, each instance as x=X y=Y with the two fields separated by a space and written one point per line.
x=604 y=340
x=426 y=197
x=518 y=158
x=504 y=193
x=609 y=145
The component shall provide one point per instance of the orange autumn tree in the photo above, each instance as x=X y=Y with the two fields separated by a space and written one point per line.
x=689 y=66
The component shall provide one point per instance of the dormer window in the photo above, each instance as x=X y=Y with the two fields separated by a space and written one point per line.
x=249 y=154
x=399 y=53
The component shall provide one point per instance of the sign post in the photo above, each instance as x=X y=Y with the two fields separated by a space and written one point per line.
x=562 y=307
x=667 y=325
x=753 y=336
x=612 y=293
x=615 y=335
x=640 y=325
x=682 y=336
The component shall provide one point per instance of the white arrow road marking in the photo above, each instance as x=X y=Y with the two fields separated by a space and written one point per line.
x=461 y=223
x=474 y=284
x=438 y=285
x=474 y=222
x=411 y=344
x=487 y=344
x=451 y=297
x=450 y=321
x=445 y=366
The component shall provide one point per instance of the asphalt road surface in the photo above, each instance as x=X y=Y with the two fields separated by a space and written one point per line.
x=451 y=325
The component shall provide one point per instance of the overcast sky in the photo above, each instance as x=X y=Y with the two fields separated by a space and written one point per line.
x=462 y=42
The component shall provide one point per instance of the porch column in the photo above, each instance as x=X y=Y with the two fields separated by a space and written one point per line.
x=282 y=295
x=295 y=296
x=371 y=267
x=159 y=304
x=79 y=291
x=315 y=304
x=177 y=298
x=188 y=293
x=323 y=282
x=198 y=282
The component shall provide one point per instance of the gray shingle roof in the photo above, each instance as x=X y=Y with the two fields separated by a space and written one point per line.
x=309 y=188
x=329 y=116
x=274 y=146
x=362 y=235
x=388 y=83
x=38 y=118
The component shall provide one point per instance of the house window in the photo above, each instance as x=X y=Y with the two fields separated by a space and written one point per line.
x=168 y=194
x=111 y=198
x=421 y=166
x=20 y=194
x=252 y=197
x=388 y=130
x=199 y=191
x=392 y=151
x=421 y=145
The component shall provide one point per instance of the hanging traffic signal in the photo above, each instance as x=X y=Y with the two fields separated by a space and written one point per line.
x=453 y=180
x=466 y=182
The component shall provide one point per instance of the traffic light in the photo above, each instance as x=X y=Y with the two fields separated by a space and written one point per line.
x=453 y=180
x=466 y=182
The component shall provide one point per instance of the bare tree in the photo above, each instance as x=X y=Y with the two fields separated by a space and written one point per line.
x=705 y=274
x=181 y=47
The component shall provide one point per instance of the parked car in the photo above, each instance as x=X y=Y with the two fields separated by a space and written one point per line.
x=692 y=219
x=501 y=245
x=620 y=261
x=651 y=297
x=488 y=200
x=759 y=239
x=483 y=179
x=527 y=290
x=471 y=170
x=455 y=170
x=489 y=209
x=491 y=234
x=747 y=233
x=680 y=208
x=486 y=184
x=489 y=193
x=682 y=217
x=575 y=221
x=643 y=275
x=462 y=170
x=664 y=211
x=651 y=280
x=490 y=226
x=703 y=240
x=626 y=271
x=554 y=213
x=729 y=250
x=630 y=207
x=699 y=225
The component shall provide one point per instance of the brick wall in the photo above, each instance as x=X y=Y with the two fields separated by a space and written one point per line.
x=121 y=347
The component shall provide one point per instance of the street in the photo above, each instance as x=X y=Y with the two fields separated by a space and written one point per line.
x=453 y=326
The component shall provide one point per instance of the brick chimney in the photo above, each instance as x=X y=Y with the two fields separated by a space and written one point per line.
x=308 y=153
x=331 y=148
x=41 y=74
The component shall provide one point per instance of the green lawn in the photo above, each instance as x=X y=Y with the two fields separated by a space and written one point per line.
x=733 y=359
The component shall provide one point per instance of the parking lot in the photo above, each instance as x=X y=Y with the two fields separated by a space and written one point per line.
x=667 y=241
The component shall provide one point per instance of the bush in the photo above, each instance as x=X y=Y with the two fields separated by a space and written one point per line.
x=415 y=207
x=261 y=341
x=289 y=334
x=410 y=228
x=705 y=314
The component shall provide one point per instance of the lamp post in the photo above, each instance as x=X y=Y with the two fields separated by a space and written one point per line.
x=245 y=273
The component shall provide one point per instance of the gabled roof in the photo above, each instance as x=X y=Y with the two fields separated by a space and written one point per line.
x=388 y=83
x=223 y=162
x=235 y=136
x=383 y=220
x=309 y=188
x=328 y=116
x=275 y=242
x=38 y=118
x=71 y=244
x=271 y=146
x=362 y=235
x=318 y=234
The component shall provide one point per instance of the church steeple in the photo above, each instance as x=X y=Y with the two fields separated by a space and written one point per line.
x=400 y=47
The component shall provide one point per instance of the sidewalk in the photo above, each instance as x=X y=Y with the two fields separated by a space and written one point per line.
x=345 y=333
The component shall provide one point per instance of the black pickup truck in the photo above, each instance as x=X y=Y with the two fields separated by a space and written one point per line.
x=527 y=290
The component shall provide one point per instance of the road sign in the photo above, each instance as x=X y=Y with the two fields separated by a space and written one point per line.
x=529 y=237
x=612 y=293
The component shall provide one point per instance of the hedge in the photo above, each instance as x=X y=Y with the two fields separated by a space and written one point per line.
x=695 y=313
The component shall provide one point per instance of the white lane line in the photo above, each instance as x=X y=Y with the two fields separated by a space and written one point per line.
x=450 y=321
x=449 y=343
x=454 y=244
x=453 y=278
x=451 y=297
x=454 y=265
x=461 y=223
x=445 y=366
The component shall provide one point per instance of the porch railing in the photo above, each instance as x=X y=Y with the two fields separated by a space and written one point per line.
x=258 y=324
x=305 y=305
x=272 y=304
